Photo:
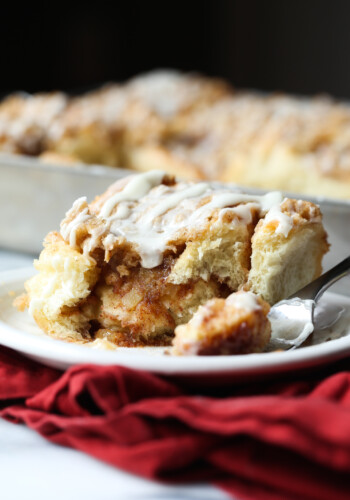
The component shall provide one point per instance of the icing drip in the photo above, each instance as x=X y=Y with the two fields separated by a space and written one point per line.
x=244 y=212
x=179 y=209
x=136 y=188
x=69 y=230
x=152 y=215
x=174 y=199
x=285 y=222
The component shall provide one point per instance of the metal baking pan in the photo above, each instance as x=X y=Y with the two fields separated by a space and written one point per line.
x=35 y=196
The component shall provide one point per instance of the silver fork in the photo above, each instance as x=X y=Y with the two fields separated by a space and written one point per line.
x=292 y=320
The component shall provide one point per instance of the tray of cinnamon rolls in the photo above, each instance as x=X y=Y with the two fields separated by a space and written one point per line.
x=55 y=148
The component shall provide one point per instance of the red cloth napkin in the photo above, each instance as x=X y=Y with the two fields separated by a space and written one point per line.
x=287 y=440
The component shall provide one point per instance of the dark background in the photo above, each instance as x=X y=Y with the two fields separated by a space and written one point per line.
x=296 y=46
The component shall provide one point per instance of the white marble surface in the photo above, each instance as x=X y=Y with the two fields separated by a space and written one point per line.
x=31 y=468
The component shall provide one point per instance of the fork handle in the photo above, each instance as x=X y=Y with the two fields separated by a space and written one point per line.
x=316 y=288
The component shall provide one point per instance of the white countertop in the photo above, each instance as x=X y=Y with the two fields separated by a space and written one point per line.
x=31 y=468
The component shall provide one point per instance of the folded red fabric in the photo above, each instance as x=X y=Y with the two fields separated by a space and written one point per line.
x=289 y=440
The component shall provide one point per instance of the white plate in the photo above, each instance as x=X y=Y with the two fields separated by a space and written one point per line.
x=18 y=331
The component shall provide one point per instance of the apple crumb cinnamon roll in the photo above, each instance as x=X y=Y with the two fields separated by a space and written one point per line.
x=140 y=259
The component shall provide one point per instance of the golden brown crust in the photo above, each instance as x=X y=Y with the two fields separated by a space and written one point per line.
x=193 y=126
x=143 y=158
x=273 y=142
x=54 y=158
x=105 y=126
x=25 y=119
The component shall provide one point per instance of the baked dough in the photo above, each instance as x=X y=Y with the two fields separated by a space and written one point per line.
x=236 y=325
x=105 y=126
x=141 y=258
x=269 y=142
x=195 y=127
x=25 y=119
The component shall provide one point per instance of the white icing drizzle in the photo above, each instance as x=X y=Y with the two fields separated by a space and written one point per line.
x=136 y=188
x=243 y=300
x=91 y=242
x=285 y=222
x=123 y=211
x=69 y=230
x=173 y=200
x=109 y=241
x=179 y=209
x=224 y=198
x=151 y=215
x=244 y=212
